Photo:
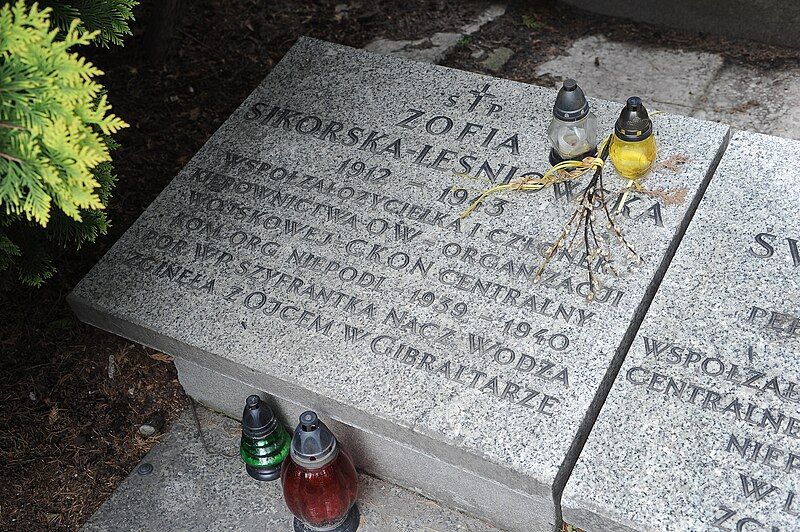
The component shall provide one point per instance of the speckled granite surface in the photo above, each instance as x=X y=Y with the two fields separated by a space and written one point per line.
x=204 y=487
x=701 y=430
x=325 y=205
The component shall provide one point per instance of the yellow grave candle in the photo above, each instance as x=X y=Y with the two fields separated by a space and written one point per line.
x=633 y=148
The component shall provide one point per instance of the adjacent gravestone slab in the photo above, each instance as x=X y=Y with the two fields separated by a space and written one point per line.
x=701 y=430
x=313 y=249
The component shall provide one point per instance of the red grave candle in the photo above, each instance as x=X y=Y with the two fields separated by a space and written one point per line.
x=319 y=481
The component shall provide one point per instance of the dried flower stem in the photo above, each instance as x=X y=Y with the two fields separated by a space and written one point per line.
x=592 y=198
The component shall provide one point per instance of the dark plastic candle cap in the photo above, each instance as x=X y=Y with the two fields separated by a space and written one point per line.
x=313 y=444
x=257 y=418
x=571 y=104
x=634 y=123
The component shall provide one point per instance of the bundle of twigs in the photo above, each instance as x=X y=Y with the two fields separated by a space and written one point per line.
x=580 y=226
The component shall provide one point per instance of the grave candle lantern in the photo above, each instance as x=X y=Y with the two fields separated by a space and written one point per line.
x=573 y=130
x=319 y=481
x=633 y=148
x=265 y=442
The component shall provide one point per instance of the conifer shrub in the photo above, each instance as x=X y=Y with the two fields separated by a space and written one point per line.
x=55 y=128
x=108 y=17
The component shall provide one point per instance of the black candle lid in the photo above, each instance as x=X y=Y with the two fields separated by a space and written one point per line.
x=571 y=104
x=313 y=444
x=634 y=123
x=257 y=418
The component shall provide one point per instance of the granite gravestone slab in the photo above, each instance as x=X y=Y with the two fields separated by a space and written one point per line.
x=701 y=430
x=314 y=249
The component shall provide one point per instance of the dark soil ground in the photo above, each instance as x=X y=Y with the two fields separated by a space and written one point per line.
x=73 y=397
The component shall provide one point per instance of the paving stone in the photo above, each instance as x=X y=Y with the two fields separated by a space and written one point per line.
x=701 y=430
x=195 y=486
x=671 y=80
x=478 y=54
x=754 y=99
x=497 y=59
x=314 y=250
x=435 y=48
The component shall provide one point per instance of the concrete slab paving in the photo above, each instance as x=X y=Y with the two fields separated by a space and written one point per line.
x=701 y=85
x=199 y=483
x=497 y=59
x=754 y=100
x=671 y=80
x=433 y=49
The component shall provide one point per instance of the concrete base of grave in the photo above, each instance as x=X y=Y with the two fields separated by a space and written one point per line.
x=200 y=484
x=387 y=459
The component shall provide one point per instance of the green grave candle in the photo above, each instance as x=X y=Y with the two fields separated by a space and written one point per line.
x=265 y=442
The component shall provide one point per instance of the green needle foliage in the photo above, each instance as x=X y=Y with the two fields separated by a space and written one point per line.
x=55 y=127
x=108 y=17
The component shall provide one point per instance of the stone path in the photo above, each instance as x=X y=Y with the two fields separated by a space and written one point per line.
x=434 y=49
x=200 y=484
